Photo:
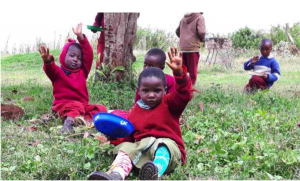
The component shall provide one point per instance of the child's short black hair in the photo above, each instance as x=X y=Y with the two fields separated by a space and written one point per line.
x=159 y=54
x=153 y=72
x=77 y=46
x=266 y=40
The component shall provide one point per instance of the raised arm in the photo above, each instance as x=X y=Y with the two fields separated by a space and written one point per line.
x=50 y=68
x=98 y=19
x=87 y=50
x=179 y=99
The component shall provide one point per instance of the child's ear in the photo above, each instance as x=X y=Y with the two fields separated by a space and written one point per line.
x=166 y=89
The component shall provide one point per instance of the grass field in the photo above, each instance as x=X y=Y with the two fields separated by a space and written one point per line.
x=235 y=136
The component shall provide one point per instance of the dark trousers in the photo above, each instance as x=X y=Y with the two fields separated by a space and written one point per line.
x=191 y=60
x=256 y=83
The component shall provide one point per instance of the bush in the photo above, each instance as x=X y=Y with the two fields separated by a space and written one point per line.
x=147 y=38
x=295 y=32
x=247 y=38
x=278 y=34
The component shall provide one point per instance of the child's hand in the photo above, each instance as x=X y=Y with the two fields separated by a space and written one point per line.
x=255 y=59
x=265 y=76
x=78 y=31
x=47 y=58
x=175 y=62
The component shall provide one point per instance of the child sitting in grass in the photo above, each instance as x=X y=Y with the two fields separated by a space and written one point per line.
x=71 y=98
x=156 y=145
x=266 y=65
x=155 y=57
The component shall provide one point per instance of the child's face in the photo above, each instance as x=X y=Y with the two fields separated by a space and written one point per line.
x=151 y=91
x=265 y=49
x=73 y=58
x=152 y=61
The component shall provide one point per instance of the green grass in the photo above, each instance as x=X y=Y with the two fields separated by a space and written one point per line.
x=237 y=136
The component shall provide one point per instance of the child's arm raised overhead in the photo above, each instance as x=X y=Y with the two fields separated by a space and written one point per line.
x=87 y=50
x=179 y=99
x=49 y=67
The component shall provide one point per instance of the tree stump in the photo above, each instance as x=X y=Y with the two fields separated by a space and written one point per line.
x=120 y=33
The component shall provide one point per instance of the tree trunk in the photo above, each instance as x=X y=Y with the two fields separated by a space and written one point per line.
x=120 y=33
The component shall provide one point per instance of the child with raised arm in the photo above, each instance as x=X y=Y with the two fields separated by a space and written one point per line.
x=265 y=66
x=155 y=57
x=71 y=98
x=156 y=145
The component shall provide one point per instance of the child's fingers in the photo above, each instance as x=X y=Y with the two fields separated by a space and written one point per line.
x=42 y=50
x=176 y=53
x=47 y=51
x=172 y=52
x=73 y=30
x=170 y=56
x=180 y=54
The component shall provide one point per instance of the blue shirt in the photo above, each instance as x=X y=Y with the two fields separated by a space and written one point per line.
x=265 y=65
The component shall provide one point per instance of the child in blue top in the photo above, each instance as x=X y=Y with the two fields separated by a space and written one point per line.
x=266 y=67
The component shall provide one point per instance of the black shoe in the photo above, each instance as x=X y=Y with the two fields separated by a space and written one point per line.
x=105 y=176
x=149 y=171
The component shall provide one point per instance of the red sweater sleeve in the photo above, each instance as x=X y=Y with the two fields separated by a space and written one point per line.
x=51 y=70
x=88 y=56
x=98 y=19
x=178 y=100
x=170 y=83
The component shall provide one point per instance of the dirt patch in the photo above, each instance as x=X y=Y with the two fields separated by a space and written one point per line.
x=9 y=112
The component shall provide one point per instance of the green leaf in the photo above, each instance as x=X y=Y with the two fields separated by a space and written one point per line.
x=101 y=73
x=118 y=68
x=87 y=166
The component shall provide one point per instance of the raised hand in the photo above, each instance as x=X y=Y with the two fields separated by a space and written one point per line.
x=47 y=58
x=255 y=59
x=175 y=62
x=78 y=31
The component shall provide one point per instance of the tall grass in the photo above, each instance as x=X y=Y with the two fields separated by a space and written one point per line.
x=147 y=38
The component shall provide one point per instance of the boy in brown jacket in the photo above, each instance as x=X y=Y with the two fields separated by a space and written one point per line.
x=191 y=32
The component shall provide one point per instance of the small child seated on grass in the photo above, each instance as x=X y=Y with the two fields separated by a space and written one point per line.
x=155 y=57
x=264 y=64
x=156 y=145
x=71 y=98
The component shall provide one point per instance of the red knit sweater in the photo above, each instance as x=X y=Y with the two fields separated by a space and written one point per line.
x=163 y=120
x=71 y=87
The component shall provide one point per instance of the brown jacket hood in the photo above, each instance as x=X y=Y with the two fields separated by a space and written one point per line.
x=191 y=17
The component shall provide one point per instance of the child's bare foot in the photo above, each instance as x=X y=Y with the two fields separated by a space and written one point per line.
x=68 y=127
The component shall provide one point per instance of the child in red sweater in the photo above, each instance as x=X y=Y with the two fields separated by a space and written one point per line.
x=155 y=57
x=156 y=145
x=71 y=98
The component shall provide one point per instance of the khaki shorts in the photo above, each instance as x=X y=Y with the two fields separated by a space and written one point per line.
x=142 y=151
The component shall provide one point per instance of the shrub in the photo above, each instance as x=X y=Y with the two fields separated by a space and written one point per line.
x=247 y=38
x=295 y=32
x=278 y=34
x=147 y=38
